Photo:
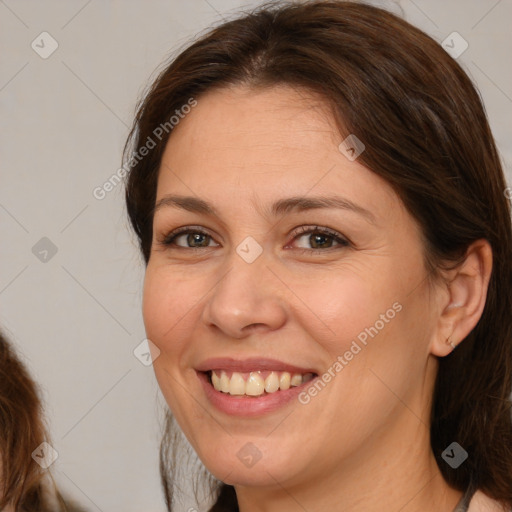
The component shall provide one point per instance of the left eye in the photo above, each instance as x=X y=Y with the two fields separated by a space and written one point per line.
x=319 y=239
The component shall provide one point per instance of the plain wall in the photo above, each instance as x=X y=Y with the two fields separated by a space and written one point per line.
x=75 y=318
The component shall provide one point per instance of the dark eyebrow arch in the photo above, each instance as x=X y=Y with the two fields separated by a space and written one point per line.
x=279 y=208
x=188 y=203
x=300 y=204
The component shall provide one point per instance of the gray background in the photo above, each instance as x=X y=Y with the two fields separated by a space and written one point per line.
x=75 y=318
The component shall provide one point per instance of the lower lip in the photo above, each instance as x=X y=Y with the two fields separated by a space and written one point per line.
x=249 y=406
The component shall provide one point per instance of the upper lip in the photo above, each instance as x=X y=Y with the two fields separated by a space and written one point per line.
x=250 y=365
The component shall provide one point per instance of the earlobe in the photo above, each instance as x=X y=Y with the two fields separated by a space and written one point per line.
x=451 y=343
x=467 y=287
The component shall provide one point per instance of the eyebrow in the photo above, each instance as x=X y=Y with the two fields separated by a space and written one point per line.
x=279 y=208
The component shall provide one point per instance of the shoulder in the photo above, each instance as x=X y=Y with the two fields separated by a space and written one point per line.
x=482 y=503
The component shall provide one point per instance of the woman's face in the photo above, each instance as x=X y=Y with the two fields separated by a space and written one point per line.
x=291 y=259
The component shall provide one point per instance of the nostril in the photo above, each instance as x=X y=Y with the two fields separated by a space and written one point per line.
x=254 y=327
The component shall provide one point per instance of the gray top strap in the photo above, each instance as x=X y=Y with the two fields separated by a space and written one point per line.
x=464 y=502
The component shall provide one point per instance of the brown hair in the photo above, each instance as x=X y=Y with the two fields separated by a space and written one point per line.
x=21 y=431
x=24 y=485
x=426 y=134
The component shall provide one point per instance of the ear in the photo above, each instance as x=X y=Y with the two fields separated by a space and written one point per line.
x=463 y=299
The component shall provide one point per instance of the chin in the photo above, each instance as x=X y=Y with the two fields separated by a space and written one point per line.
x=245 y=462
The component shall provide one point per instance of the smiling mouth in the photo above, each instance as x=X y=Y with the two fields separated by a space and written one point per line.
x=256 y=383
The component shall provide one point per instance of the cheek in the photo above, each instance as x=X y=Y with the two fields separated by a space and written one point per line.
x=342 y=308
x=383 y=362
x=169 y=305
x=170 y=311
x=373 y=323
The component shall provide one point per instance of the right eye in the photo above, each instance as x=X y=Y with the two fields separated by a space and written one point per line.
x=188 y=238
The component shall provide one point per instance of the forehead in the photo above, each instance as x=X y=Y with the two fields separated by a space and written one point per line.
x=242 y=143
x=254 y=123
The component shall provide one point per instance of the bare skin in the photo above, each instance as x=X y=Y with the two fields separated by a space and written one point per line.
x=362 y=443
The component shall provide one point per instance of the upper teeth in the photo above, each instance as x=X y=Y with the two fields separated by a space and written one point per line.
x=254 y=384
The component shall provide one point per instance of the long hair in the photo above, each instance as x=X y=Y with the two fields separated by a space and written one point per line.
x=21 y=432
x=24 y=485
x=426 y=133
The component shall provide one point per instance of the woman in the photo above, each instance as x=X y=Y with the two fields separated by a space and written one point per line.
x=25 y=485
x=320 y=205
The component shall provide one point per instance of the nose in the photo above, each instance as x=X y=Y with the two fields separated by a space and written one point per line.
x=248 y=298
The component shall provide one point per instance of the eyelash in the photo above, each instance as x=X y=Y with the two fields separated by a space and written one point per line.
x=169 y=239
